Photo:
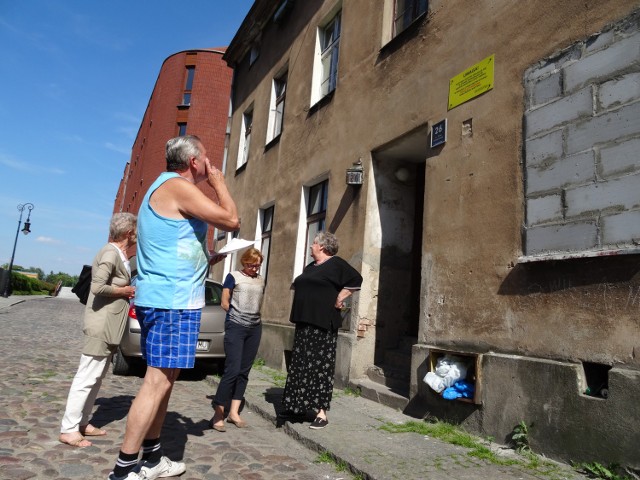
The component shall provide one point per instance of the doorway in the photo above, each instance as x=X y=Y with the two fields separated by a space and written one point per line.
x=399 y=176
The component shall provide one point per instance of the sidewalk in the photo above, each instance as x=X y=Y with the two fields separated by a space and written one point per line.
x=15 y=299
x=354 y=438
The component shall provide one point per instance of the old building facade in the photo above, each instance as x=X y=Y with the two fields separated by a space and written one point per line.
x=511 y=243
x=190 y=96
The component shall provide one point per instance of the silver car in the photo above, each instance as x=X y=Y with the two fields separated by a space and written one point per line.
x=128 y=358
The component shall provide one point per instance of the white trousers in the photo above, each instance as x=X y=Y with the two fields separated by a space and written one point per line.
x=83 y=392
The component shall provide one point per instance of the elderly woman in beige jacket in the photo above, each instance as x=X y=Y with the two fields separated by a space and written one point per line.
x=104 y=321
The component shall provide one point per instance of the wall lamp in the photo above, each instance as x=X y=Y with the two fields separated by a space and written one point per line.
x=402 y=174
x=355 y=174
x=6 y=290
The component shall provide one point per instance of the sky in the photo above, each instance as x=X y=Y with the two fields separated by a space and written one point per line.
x=75 y=80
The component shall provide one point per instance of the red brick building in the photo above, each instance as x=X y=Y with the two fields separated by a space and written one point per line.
x=191 y=96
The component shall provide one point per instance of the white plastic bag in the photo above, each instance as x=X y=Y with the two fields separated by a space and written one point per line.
x=434 y=381
x=448 y=370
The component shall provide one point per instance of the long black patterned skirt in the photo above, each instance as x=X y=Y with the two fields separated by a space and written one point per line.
x=310 y=378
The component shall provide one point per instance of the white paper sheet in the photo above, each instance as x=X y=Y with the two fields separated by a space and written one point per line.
x=236 y=244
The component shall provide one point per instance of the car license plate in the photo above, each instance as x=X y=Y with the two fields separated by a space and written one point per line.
x=202 y=345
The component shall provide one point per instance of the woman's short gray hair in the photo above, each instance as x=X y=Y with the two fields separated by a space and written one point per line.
x=180 y=150
x=121 y=224
x=328 y=242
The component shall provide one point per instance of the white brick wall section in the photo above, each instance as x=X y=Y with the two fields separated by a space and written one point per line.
x=621 y=158
x=547 y=89
x=621 y=229
x=574 y=170
x=618 y=92
x=603 y=40
x=566 y=109
x=619 y=123
x=562 y=238
x=542 y=148
x=603 y=63
x=622 y=192
x=538 y=71
x=544 y=209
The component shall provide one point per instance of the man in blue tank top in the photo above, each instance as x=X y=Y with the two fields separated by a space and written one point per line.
x=172 y=264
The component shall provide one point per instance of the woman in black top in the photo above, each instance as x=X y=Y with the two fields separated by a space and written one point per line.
x=320 y=292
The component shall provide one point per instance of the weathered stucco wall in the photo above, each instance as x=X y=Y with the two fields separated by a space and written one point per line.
x=474 y=294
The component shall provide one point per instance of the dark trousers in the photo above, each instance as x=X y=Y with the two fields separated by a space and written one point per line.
x=240 y=346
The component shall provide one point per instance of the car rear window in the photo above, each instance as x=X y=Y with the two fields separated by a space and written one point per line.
x=212 y=293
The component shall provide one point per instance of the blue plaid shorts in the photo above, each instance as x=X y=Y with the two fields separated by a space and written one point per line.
x=168 y=338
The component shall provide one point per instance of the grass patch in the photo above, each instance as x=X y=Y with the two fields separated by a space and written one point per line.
x=259 y=362
x=352 y=392
x=477 y=447
x=278 y=377
x=597 y=470
x=339 y=465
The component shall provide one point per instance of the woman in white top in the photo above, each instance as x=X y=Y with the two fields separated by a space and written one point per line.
x=242 y=293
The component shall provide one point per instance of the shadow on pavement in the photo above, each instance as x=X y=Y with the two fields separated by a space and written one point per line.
x=111 y=409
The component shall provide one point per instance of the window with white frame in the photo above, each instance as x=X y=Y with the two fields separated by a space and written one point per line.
x=316 y=214
x=276 y=108
x=245 y=138
x=406 y=11
x=325 y=69
x=266 y=225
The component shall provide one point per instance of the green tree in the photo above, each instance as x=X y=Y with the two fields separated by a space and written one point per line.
x=15 y=268
x=67 y=280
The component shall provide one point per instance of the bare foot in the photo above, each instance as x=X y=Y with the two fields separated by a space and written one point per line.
x=91 y=431
x=238 y=422
x=75 y=439
x=217 y=423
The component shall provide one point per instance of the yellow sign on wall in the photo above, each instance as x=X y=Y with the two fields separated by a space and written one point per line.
x=471 y=83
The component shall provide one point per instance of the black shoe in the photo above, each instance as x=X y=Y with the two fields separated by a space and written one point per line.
x=319 y=423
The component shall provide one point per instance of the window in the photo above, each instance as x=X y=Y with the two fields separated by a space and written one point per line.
x=406 y=12
x=325 y=71
x=276 y=109
x=186 y=96
x=212 y=293
x=266 y=224
x=182 y=129
x=254 y=54
x=245 y=138
x=316 y=214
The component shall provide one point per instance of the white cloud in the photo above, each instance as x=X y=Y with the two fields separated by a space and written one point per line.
x=49 y=240
x=15 y=164
x=115 y=148
x=29 y=167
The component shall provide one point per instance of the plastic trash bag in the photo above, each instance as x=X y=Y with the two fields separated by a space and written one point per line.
x=461 y=388
x=448 y=370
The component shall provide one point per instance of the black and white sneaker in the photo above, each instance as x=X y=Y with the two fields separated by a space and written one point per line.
x=319 y=423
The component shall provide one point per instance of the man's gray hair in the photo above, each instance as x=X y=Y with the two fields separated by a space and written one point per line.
x=327 y=241
x=180 y=150
x=120 y=224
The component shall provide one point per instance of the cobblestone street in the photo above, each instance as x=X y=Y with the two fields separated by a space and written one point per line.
x=40 y=346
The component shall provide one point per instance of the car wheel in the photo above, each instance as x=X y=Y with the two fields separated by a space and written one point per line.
x=121 y=365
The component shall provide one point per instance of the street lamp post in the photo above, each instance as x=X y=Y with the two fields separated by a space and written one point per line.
x=26 y=230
